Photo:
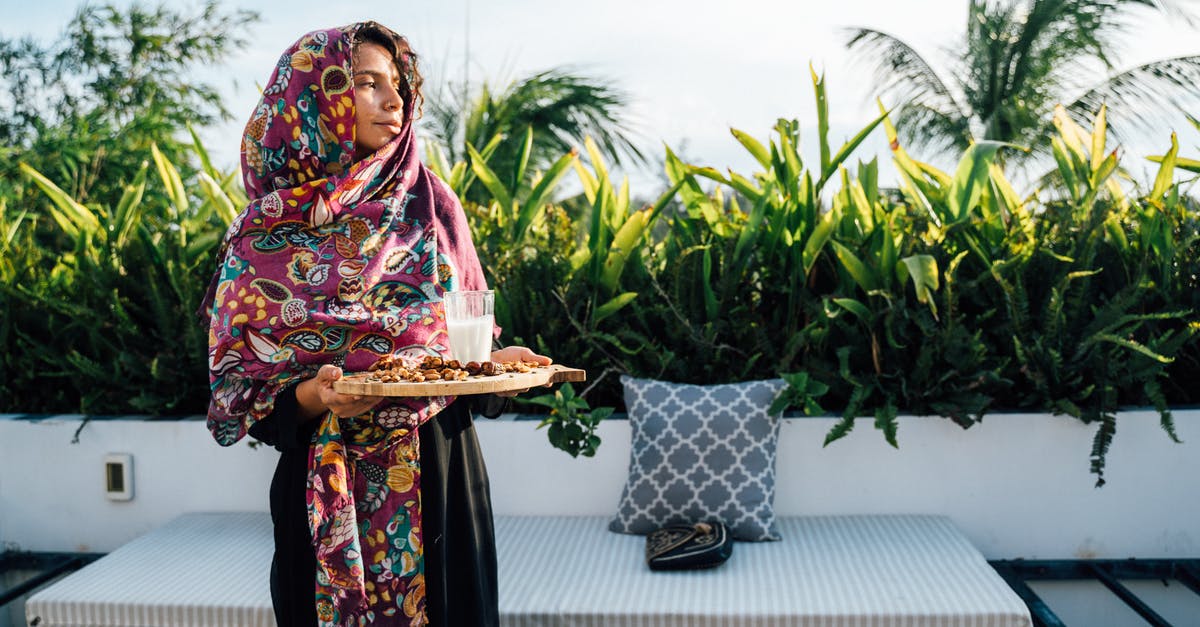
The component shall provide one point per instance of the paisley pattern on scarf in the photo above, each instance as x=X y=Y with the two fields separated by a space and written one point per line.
x=337 y=261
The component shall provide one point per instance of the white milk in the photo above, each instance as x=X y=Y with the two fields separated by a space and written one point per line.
x=471 y=339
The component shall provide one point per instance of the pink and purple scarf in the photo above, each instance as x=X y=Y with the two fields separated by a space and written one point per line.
x=338 y=261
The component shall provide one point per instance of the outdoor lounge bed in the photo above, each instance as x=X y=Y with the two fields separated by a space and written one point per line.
x=211 y=569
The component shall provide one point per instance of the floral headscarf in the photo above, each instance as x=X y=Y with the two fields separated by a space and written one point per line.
x=337 y=261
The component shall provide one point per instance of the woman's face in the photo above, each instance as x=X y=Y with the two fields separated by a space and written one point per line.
x=378 y=107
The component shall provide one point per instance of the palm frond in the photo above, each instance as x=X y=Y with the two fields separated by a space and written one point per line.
x=1092 y=28
x=561 y=107
x=1017 y=60
x=1049 y=43
x=906 y=80
x=900 y=71
x=1135 y=96
x=926 y=128
x=570 y=106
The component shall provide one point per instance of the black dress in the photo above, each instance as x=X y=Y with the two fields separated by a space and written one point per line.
x=456 y=511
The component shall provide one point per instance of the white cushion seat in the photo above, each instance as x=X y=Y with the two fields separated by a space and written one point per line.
x=211 y=569
x=861 y=571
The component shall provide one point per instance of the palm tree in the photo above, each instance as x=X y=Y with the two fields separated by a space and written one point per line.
x=1020 y=59
x=561 y=107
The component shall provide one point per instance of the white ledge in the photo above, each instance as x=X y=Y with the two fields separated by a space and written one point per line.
x=1017 y=485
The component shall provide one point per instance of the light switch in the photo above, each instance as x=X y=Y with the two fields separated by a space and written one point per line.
x=118 y=476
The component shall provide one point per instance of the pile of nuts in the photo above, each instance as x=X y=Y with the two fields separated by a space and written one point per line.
x=433 y=368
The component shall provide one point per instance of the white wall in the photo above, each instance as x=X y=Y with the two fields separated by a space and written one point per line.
x=52 y=491
x=1017 y=485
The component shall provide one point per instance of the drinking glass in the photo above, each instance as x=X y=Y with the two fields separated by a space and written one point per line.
x=469 y=321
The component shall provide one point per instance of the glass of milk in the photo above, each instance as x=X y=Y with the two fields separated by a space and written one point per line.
x=469 y=321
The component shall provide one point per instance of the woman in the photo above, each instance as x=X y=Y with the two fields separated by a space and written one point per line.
x=380 y=506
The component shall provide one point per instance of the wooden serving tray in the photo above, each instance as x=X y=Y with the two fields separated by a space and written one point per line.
x=356 y=383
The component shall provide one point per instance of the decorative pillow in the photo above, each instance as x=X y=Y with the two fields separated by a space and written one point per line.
x=701 y=452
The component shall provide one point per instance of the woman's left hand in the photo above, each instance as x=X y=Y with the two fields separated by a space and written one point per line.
x=519 y=353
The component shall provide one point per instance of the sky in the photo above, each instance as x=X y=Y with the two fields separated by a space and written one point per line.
x=692 y=68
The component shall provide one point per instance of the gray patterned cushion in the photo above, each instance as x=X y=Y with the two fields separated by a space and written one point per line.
x=701 y=452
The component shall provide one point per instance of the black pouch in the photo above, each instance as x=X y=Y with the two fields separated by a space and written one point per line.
x=686 y=547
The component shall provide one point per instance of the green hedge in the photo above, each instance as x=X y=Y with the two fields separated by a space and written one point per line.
x=950 y=294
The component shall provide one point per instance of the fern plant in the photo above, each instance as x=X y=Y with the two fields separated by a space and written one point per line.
x=1069 y=289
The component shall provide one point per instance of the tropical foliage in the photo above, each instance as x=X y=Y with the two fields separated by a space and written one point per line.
x=105 y=324
x=949 y=295
x=1017 y=60
x=109 y=210
x=86 y=108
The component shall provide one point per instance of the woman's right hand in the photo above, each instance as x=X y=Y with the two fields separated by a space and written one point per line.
x=316 y=396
